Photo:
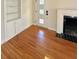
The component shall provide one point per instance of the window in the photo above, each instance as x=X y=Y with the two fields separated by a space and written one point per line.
x=41 y=21
x=41 y=1
x=41 y=11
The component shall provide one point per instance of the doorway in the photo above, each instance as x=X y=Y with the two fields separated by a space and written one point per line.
x=40 y=12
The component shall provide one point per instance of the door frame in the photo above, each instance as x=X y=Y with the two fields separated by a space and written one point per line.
x=37 y=14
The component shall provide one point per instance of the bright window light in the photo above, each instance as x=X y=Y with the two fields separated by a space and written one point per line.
x=41 y=1
x=41 y=21
x=41 y=11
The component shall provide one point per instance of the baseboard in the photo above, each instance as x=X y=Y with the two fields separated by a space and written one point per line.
x=52 y=29
x=34 y=24
x=27 y=26
x=46 y=27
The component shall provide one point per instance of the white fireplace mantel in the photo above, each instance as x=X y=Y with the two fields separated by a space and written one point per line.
x=60 y=14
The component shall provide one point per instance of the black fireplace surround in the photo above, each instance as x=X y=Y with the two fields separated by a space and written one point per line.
x=69 y=28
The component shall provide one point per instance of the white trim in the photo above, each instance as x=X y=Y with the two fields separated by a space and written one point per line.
x=51 y=29
x=34 y=24
x=46 y=27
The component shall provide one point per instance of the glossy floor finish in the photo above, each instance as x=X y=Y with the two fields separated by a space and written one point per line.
x=38 y=43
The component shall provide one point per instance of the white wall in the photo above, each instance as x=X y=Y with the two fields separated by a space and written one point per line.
x=52 y=6
x=67 y=4
x=27 y=11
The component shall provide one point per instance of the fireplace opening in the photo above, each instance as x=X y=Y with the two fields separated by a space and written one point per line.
x=70 y=28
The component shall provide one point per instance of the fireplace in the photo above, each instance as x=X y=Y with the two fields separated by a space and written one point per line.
x=67 y=24
x=70 y=28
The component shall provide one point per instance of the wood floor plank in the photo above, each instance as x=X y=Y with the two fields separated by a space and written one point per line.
x=38 y=43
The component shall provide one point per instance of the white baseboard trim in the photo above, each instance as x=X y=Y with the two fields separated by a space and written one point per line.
x=27 y=26
x=47 y=27
x=52 y=29
x=34 y=24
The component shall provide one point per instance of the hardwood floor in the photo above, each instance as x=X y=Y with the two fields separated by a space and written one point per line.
x=38 y=43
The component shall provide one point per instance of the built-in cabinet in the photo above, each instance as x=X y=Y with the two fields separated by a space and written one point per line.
x=12 y=24
x=16 y=16
x=20 y=25
x=10 y=30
